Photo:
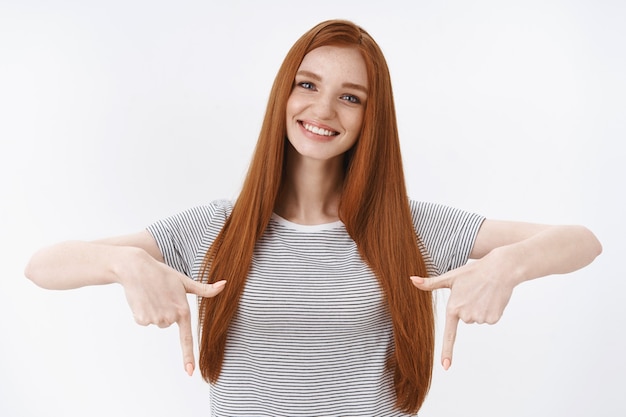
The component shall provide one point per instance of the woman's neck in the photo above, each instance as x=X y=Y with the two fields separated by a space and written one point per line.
x=311 y=190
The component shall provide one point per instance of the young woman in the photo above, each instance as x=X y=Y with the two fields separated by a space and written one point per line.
x=315 y=283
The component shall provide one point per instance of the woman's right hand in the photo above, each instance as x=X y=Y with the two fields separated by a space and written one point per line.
x=156 y=293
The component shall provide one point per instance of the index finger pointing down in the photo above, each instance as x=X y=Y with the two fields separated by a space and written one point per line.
x=449 y=337
x=186 y=343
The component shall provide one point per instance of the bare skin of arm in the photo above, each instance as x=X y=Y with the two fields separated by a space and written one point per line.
x=156 y=293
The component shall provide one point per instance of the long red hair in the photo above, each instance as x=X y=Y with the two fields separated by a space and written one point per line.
x=374 y=207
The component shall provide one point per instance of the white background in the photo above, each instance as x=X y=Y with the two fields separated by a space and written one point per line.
x=114 y=114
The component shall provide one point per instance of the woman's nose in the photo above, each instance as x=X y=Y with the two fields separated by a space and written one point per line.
x=324 y=107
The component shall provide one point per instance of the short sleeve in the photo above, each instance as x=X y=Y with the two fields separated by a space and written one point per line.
x=184 y=238
x=446 y=235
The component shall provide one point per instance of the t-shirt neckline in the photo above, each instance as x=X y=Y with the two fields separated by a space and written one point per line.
x=306 y=227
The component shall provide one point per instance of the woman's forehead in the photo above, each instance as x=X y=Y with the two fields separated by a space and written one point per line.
x=337 y=62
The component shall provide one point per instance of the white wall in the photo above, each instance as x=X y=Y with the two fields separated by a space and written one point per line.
x=114 y=114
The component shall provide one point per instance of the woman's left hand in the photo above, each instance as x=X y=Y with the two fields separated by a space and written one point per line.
x=506 y=254
x=479 y=293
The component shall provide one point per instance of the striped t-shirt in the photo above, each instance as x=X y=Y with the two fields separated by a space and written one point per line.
x=312 y=334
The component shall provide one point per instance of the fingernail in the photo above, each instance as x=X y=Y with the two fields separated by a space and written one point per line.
x=446 y=364
x=189 y=368
x=219 y=284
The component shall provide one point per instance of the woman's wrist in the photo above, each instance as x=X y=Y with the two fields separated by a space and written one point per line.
x=123 y=260
x=511 y=260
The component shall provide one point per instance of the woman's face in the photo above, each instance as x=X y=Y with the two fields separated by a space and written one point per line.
x=326 y=106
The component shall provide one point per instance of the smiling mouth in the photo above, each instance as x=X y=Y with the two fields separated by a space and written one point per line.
x=318 y=130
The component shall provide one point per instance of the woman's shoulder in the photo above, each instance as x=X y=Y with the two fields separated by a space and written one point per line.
x=424 y=207
x=221 y=206
x=214 y=211
x=427 y=214
x=200 y=216
x=430 y=206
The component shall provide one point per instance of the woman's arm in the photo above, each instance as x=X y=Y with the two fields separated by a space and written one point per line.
x=75 y=264
x=507 y=253
x=156 y=293
x=538 y=250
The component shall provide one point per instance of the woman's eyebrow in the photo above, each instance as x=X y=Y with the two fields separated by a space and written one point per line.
x=316 y=77
x=310 y=75
x=355 y=86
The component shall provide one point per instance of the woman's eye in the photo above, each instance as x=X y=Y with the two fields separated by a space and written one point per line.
x=306 y=85
x=352 y=99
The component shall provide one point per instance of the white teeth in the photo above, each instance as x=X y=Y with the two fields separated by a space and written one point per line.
x=317 y=130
